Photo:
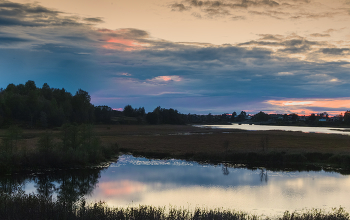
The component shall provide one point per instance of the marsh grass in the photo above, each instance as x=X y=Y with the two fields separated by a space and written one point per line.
x=30 y=207
x=72 y=147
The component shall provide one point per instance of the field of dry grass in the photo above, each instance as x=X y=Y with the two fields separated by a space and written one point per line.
x=179 y=140
x=216 y=145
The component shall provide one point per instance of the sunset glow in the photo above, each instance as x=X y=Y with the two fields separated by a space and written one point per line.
x=167 y=78
x=197 y=57
x=343 y=103
x=121 y=188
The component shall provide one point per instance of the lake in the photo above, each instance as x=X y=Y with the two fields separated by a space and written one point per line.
x=133 y=181
x=252 y=127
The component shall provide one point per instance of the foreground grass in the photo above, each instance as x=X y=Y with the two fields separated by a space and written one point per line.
x=27 y=207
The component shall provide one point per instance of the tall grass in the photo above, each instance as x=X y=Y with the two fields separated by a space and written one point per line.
x=74 y=146
x=28 y=207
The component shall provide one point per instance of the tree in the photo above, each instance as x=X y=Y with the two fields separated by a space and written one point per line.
x=347 y=117
x=312 y=117
x=294 y=117
x=82 y=109
x=261 y=116
x=242 y=116
x=128 y=111
x=233 y=116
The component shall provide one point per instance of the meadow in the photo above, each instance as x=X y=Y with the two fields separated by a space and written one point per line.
x=79 y=146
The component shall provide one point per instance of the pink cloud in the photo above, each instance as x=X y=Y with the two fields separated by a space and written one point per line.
x=123 y=44
x=120 y=188
x=166 y=79
x=327 y=103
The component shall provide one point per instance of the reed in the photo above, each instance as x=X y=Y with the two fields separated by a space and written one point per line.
x=28 y=207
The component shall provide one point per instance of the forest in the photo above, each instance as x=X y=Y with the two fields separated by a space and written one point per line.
x=28 y=106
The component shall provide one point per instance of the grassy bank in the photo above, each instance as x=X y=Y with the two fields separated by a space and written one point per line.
x=77 y=146
x=268 y=148
x=27 y=207
x=71 y=146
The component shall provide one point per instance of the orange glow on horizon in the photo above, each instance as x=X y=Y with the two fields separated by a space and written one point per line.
x=329 y=103
x=303 y=106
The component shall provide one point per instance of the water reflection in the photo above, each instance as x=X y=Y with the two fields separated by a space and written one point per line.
x=251 y=127
x=135 y=181
x=67 y=186
x=263 y=175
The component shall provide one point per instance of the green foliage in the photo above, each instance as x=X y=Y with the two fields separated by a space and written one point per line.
x=242 y=116
x=43 y=107
x=76 y=146
x=10 y=140
x=261 y=116
x=347 y=117
x=165 y=116
x=45 y=143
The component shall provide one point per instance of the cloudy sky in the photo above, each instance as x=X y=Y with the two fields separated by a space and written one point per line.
x=276 y=56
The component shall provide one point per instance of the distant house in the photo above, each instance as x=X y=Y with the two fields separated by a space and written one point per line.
x=322 y=119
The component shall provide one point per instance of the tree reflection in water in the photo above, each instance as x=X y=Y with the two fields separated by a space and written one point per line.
x=68 y=186
x=263 y=174
x=225 y=170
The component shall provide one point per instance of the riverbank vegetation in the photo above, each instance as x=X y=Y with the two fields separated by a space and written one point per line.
x=258 y=148
x=36 y=207
x=73 y=146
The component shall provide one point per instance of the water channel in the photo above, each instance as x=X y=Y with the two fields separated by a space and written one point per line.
x=134 y=181
x=253 y=127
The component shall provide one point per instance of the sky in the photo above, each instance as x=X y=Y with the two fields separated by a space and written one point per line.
x=210 y=56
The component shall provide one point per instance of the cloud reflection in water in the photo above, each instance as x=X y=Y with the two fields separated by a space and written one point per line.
x=139 y=181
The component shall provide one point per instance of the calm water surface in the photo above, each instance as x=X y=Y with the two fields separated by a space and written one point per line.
x=327 y=130
x=133 y=181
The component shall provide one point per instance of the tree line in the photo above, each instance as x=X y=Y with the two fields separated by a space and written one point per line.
x=30 y=106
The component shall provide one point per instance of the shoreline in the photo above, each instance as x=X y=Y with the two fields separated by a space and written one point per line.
x=273 y=149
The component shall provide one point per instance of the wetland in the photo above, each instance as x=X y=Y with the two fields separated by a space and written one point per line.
x=192 y=168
